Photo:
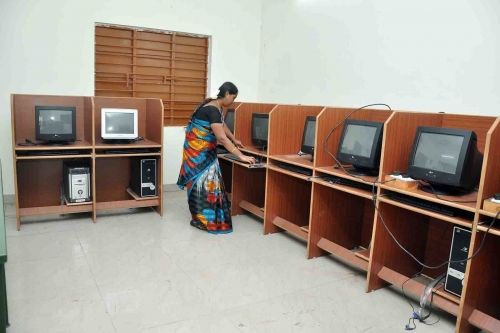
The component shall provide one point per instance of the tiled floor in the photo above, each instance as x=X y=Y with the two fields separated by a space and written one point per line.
x=141 y=273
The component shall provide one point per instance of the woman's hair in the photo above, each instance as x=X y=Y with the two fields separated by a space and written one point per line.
x=227 y=87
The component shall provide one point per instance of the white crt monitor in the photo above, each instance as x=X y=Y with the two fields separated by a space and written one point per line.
x=119 y=124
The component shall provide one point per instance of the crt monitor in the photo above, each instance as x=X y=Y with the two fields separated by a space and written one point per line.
x=229 y=119
x=260 y=122
x=119 y=124
x=360 y=146
x=55 y=123
x=308 y=135
x=446 y=158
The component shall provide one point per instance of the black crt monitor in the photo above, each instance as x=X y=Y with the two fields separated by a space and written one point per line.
x=309 y=135
x=447 y=159
x=229 y=119
x=260 y=128
x=360 y=146
x=55 y=123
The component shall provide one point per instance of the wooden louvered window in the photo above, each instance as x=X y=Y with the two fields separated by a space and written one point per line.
x=135 y=62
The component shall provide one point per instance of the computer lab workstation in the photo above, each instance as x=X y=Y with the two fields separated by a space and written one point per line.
x=87 y=154
x=371 y=186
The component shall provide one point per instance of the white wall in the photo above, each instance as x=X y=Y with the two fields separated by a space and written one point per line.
x=47 y=47
x=414 y=55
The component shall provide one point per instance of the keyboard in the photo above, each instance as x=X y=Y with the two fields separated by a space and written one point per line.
x=294 y=168
x=424 y=204
x=237 y=159
x=347 y=182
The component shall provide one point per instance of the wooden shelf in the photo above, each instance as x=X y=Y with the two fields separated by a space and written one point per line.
x=55 y=157
x=305 y=228
x=301 y=161
x=486 y=213
x=122 y=204
x=67 y=203
x=469 y=206
x=451 y=219
x=138 y=144
x=290 y=227
x=343 y=253
x=80 y=145
x=55 y=210
x=289 y=173
x=330 y=170
x=450 y=303
x=344 y=188
x=139 y=198
x=484 y=322
x=126 y=155
x=251 y=208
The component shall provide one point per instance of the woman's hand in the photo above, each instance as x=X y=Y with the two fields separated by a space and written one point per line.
x=247 y=159
x=238 y=144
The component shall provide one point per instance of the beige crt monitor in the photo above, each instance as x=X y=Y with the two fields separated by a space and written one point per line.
x=119 y=124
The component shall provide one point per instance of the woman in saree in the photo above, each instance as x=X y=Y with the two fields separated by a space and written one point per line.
x=200 y=173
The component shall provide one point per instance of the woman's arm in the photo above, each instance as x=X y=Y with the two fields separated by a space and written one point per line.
x=219 y=130
x=230 y=135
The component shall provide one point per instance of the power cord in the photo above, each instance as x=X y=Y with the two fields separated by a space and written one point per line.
x=425 y=301
x=444 y=263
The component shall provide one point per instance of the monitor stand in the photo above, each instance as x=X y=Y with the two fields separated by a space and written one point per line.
x=437 y=189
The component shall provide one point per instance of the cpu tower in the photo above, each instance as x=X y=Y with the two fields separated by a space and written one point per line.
x=143 y=176
x=76 y=182
x=459 y=252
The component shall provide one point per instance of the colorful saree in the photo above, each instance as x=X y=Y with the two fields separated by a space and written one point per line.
x=200 y=174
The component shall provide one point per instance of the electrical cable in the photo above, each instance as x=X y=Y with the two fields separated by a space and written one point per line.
x=444 y=263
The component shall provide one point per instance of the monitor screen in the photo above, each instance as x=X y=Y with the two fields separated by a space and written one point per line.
x=260 y=128
x=309 y=133
x=119 y=123
x=439 y=152
x=53 y=121
x=358 y=140
x=229 y=120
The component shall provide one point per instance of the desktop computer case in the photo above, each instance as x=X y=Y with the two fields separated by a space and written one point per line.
x=459 y=251
x=143 y=176
x=76 y=183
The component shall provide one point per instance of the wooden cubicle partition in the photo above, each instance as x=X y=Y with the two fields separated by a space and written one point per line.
x=148 y=115
x=23 y=119
x=288 y=194
x=425 y=233
x=341 y=215
x=243 y=124
x=286 y=126
x=480 y=307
